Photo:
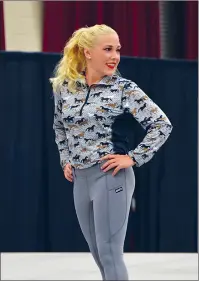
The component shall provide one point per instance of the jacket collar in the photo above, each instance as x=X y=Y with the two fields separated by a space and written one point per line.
x=106 y=80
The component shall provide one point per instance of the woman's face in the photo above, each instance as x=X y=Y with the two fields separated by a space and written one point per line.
x=105 y=55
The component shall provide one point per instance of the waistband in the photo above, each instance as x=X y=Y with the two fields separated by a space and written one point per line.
x=90 y=170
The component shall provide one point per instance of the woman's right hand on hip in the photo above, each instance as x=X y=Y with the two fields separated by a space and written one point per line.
x=68 y=172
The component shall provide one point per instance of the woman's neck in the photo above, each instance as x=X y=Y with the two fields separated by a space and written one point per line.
x=92 y=78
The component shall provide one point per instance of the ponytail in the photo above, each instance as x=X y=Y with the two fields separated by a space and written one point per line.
x=73 y=62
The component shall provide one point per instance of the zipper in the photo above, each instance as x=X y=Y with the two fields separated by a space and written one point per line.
x=85 y=101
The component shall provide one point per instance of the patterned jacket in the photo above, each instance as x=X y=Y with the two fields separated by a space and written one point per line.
x=84 y=122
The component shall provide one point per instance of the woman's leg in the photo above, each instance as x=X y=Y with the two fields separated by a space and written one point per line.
x=84 y=211
x=111 y=202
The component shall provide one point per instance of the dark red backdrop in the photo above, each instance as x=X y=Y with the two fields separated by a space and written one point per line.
x=137 y=23
x=2 y=34
x=191 y=30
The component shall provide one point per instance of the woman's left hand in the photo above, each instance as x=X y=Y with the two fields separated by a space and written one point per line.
x=116 y=160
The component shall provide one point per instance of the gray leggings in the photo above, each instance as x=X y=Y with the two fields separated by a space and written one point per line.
x=102 y=203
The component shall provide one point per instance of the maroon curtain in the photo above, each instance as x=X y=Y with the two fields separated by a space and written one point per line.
x=191 y=29
x=2 y=34
x=136 y=22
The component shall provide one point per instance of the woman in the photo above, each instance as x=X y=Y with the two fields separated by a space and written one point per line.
x=89 y=97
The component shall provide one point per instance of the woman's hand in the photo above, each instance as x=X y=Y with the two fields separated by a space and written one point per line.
x=116 y=160
x=68 y=172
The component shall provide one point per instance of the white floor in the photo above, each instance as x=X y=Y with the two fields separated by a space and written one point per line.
x=80 y=266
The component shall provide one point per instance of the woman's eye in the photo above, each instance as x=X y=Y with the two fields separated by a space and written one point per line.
x=108 y=49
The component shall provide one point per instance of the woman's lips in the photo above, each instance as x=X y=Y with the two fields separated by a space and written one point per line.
x=111 y=65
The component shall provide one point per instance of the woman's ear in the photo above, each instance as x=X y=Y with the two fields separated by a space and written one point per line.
x=87 y=54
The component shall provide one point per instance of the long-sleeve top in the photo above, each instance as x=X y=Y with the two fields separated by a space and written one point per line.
x=84 y=122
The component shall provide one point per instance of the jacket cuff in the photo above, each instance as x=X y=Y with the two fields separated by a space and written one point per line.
x=63 y=163
x=137 y=159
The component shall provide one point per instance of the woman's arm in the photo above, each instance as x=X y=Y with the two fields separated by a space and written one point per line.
x=60 y=132
x=150 y=117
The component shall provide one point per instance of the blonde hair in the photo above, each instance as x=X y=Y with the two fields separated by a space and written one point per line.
x=73 y=62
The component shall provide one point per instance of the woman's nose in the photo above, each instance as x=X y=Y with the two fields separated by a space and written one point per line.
x=115 y=56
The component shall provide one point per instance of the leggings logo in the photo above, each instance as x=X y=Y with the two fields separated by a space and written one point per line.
x=118 y=189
